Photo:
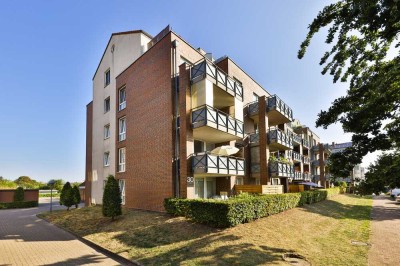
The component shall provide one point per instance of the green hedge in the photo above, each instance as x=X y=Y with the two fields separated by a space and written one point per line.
x=18 y=204
x=243 y=208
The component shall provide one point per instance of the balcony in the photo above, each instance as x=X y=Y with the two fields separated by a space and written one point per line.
x=306 y=160
x=315 y=178
x=278 y=140
x=279 y=169
x=327 y=149
x=298 y=175
x=297 y=157
x=206 y=69
x=315 y=148
x=206 y=164
x=315 y=162
x=307 y=176
x=306 y=144
x=296 y=139
x=278 y=112
x=212 y=125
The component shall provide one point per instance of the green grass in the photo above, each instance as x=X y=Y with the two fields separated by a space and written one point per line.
x=321 y=232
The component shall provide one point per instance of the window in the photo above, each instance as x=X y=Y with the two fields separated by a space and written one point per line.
x=199 y=187
x=121 y=160
x=107 y=77
x=107 y=132
x=239 y=181
x=122 y=129
x=255 y=97
x=107 y=105
x=106 y=158
x=122 y=99
x=121 y=183
x=275 y=181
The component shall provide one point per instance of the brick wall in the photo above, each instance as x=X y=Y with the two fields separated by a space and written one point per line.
x=7 y=195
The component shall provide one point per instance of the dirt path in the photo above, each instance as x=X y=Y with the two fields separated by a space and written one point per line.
x=385 y=232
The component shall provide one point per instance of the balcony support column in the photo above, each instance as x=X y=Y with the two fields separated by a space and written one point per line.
x=262 y=129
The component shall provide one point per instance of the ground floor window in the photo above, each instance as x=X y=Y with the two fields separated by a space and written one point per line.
x=275 y=181
x=204 y=187
x=239 y=181
x=122 y=189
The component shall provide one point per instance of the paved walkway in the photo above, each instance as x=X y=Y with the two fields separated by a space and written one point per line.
x=385 y=232
x=28 y=240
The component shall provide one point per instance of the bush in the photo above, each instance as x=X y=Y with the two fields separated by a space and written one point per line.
x=19 y=194
x=18 y=204
x=76 y=196
x=242 y=208
x=111 y=198
x=67 y=196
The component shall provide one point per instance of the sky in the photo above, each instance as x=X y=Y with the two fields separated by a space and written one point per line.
x=50 y=50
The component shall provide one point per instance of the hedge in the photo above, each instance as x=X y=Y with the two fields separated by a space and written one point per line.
x=18 y=204
x=243 y=208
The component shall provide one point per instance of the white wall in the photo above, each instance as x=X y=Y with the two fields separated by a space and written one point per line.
x=127 y=48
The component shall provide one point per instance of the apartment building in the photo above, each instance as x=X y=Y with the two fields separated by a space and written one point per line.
x=170 y=106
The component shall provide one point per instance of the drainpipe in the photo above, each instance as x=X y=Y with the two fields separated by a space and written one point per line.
x=175 y=44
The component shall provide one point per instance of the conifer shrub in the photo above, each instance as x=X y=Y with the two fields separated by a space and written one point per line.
x=111 y=198
x=67 y=196
x=76 y=196
x=19 y=194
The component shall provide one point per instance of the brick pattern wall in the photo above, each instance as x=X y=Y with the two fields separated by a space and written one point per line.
x=7 y=195
x=88 y=170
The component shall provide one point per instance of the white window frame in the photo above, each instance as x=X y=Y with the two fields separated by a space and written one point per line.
x=122 y=104
x=122 y=129
x=121 y=160
x=239 y=181
x=121 y=183
x=107 y=131
x=106 y=110
x=255 y=97
x=107 y=81
x=106 y=159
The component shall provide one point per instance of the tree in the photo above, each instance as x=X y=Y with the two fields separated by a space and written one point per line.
x=19 y=194
x=25 y=182
x=111 y=198
x=362 y=32
x=67 y=196
x=58 y=184
x=76 y=195
x=7 y=184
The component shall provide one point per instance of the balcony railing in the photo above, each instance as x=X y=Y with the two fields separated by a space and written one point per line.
x=315 y=162
x=327 y=148
x=316 y=178
x=315 y=148
x=254 y=138
x=296 y=139
x=306 y=143
x=208 y=116
x=275 y=103
x=205 y=68
x=306 y=160
x=276 y=138
x=296 y=156
x=207 y=163
x=298 y=175
x=279 y=169
x=307 y=176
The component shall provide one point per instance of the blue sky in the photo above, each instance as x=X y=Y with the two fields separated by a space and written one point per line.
x=50 y=50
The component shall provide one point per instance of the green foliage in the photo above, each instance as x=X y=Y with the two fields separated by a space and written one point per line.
x=242 y=208
x=18 y=204
x=4 y=183
x=362 y=31
x=19 y=194
x=67 y=196
x=58 y=184
x=48 y=195
x=111 y=198
x=76 y=196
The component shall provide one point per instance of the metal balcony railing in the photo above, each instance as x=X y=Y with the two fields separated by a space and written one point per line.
x=306 y=143
x=207 y=163
x=296 y=156
x=306 y=160
x=307 y=176
x=208 y=116
x=255 y=168
x=205 y=68
x=254 y=138
x=315 y=162
x=281 y=169
x=279 y=137
x=315 y=178
x=298 y=175
x=315 y=148
x=296 y=138
x=275 y=103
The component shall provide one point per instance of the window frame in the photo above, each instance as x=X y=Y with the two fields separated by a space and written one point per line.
x=122 y=189
x=107 y=77
x=121 y=135
x=108 y=99
x=107 y=129
x=121 y=165
x=106 y=155
x=121 y=105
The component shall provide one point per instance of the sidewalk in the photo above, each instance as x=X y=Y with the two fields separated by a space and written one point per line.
x=385 y=232
x=28 y=240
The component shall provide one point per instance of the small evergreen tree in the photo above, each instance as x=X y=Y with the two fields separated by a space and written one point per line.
x=67 y=196
x=19 y=194
x=111 y=198
x=77 y=196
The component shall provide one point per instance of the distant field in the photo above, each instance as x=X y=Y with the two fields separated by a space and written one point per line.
x=321 y=232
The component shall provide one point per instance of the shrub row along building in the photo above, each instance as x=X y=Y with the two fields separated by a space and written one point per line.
x=161 y=108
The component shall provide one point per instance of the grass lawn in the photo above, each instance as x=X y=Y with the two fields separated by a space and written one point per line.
x=321 y=232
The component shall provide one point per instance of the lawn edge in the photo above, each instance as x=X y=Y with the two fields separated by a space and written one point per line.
x=104 y=251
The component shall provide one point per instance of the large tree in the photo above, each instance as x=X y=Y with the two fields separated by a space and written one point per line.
x=361 y=33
